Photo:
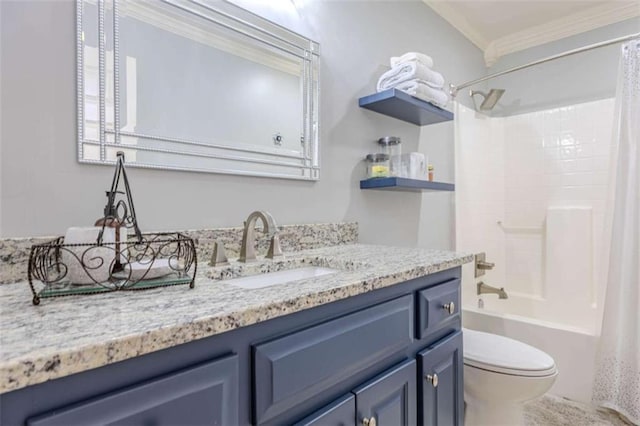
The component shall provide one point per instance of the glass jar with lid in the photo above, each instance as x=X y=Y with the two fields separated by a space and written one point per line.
x=391 y=145
x=377 y=165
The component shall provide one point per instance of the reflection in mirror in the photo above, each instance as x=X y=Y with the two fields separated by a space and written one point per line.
x=204 y=86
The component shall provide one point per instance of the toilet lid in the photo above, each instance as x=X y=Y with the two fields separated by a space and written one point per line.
x=503 y=355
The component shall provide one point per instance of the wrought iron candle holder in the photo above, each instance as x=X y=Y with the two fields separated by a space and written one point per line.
x=138 y=262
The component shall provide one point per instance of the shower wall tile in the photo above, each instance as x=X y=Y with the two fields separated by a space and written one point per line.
x=480 y=193
x=585 y=150
x=600 y=177
x=602 y=149
x=575 y=146
x=512 y=169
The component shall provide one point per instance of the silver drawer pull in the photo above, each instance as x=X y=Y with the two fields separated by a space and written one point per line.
x=433 y=379
x=449 y=307
x=369 y=421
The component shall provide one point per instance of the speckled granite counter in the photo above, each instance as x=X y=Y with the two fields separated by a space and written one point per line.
x=71 y=335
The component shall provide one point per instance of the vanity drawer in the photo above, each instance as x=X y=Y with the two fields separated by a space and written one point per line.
x=294 y=368
x=204 y=394
x=436 y=305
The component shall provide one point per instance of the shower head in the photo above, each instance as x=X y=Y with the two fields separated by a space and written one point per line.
x=490 y=99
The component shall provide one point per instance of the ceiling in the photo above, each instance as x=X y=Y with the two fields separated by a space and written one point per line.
x=507 y=26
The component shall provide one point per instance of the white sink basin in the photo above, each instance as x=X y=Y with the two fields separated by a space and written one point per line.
x=280 y=277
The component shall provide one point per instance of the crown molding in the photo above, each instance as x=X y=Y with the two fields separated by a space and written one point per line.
x=557 y=29
x=459 y=22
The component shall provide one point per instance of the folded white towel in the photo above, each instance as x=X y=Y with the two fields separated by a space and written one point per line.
x=412 y=57
x=409 y=71
x=425 y=92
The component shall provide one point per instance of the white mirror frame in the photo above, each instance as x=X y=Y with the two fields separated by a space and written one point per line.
x=304 y=164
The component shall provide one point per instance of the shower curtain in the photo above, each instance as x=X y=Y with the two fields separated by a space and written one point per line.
x=617 y=383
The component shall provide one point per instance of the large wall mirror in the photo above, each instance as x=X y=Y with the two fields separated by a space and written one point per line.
x=199 y=85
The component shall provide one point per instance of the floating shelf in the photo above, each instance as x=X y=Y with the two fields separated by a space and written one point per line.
x=398 y=104
x=404 y=184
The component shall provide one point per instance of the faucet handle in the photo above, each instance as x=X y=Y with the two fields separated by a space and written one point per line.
x=485 y=265
x=275 y=251
x=481 y=264
x=219 y=257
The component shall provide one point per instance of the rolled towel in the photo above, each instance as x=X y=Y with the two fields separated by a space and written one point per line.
x=412 y=57
x=91 y=263
x=425 y=92
x=409 y=71
x=148 y=269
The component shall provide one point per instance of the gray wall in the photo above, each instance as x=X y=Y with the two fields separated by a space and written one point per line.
x=575 y=79
x=44 y=190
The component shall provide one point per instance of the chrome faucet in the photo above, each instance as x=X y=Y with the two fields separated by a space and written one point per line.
x=487 y=289
x=248 y=250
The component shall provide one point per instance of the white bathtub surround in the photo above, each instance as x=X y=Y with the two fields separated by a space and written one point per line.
x=617 y=383
x=569 y=258
x=512 y=173
x=512 y=170
x=480 y=195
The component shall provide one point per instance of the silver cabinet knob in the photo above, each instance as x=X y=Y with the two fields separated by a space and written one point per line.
x=449 y=307
x=371 y=421
x=433 y=379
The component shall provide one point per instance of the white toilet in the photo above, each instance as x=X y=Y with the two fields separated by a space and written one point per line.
x=500 y=375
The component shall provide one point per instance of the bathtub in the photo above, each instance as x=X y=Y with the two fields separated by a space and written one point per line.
x=572 y=348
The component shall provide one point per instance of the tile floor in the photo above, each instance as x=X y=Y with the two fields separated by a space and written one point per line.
x=555 y=411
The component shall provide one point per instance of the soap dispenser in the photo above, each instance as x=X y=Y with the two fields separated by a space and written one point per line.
x=110 y=220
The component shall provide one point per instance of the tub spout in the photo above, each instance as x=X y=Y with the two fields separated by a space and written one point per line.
x=487 y=289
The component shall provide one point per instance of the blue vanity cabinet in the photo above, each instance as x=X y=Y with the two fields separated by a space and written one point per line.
x=341 y=363
x=441 y=388
x=204 y=394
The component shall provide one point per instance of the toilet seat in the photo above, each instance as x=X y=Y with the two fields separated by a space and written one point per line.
x=500 y=354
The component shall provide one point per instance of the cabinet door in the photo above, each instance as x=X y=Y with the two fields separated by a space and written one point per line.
x=441 y=386
x=292 y=369
x=205 y=394
x=390 y=398
x=339 y=413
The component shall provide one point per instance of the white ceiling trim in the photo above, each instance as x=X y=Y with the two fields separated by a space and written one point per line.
x=459 y=22
x=557 y=29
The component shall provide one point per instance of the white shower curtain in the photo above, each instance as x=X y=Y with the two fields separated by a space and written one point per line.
x=617 y=384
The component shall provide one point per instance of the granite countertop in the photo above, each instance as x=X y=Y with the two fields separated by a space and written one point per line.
x=69 y=335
